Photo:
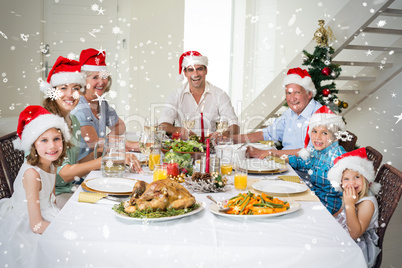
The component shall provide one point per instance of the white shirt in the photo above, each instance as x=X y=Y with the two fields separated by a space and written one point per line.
x=214 y=102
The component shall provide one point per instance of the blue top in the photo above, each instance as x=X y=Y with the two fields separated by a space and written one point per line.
x=291 y=128
x=317 y=166
x=107 y=118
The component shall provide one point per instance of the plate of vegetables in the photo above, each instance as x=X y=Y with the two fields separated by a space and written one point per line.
x=255 y=206
x=194 y=148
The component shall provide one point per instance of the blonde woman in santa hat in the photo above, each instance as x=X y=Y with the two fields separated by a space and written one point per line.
x=61 y=89
x=354 y=174
x=93 y=111
x=44 y=136
x=197 y=96
x=317 y=160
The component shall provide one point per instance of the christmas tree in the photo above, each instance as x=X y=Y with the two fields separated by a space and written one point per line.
x=323 y=71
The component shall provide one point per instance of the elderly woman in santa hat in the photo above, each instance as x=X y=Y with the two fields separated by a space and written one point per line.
x=61 y=89
x=93 y=111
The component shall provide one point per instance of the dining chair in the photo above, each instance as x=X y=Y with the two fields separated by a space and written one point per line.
x=390 y=179
x=375 y=156
x=4 y=187
x=348 y=145
x=11 y=159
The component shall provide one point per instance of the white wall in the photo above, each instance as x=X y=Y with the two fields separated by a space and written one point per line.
x=374 y=122
x=20 y=60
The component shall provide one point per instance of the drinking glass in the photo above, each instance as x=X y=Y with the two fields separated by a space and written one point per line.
x=222 y=125
x=160 y=172
x=155 y=156
x=240 y=179
x=188 y=122
x=145 y=146
x=147 y=126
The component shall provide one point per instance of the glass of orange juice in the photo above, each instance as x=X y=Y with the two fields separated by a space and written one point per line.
x=240 y=179
x=154 y=156
x=160 y=172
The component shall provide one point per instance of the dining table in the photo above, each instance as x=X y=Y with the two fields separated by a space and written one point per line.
x=93 y=235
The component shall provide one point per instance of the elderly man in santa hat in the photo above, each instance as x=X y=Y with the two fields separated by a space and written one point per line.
x=291 y=127
x=201 y=101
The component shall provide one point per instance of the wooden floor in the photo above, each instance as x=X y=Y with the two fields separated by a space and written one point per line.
x=392 y=247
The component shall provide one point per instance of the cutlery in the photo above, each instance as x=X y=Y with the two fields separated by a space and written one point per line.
x=247 y=142
x=219 y=204
x=117 y=198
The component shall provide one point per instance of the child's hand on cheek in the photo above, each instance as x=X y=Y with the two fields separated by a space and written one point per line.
x=350 y=196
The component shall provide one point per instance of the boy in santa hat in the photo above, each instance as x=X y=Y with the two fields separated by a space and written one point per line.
x=353 y=174
x=197 y=96
x=317 y=160
x=291 y=127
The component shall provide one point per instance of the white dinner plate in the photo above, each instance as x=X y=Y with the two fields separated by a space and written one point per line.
x=255 y=164
x=201 y=207
x=111 y=185
x=279 y=187
x=261 y=146
x=293 y=206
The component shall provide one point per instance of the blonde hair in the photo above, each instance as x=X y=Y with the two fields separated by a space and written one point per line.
x=365 y=186
x=33 y=158
x=88 y=73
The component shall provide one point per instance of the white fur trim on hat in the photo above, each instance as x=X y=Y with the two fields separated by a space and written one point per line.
x=37 y=127
x=304 y=154
x=324 y=119
x=67 y=78
x=93 y=68
x=356 y=163
x=194 y=60
x=305 y=82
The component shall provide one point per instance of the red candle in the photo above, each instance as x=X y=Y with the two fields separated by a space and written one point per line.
x=207 y=158
x=202 y=128
x=173 y=169
x=176 y=135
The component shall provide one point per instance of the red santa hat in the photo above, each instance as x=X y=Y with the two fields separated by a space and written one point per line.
x=191 y=58
x=33 y=121
x=322 y=117
x=64 y=71
x=93 y=60
x=355 y=160
x=300 y=77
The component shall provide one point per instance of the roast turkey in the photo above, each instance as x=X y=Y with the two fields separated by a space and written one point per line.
x=161 y=194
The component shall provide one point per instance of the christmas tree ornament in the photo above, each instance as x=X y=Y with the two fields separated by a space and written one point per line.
x=326 y=71
x=325 y=92
x=327 y=62
x=333 y=74
x=337 y=102
x=345 y=105
x=304 y=58
x=322 y=35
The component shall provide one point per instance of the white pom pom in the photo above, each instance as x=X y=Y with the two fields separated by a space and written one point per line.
x=45 y=87
x=304 y=154
x=375 y=188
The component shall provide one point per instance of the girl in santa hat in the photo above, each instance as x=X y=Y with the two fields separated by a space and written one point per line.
x=353 y=174
x=44 y=136
x=317 y=160
x=62 y=88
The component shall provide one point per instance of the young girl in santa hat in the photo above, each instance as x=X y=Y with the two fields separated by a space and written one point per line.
x=316 y=161
x=30 y=209
x=353 y=174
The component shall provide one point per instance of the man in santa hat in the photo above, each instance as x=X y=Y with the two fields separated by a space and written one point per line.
x=197 y=96
x=291 y=127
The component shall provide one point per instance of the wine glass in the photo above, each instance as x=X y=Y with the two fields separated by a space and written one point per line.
x=222 y=125
x=147 y=126
x=145 y=146
x=188 y=122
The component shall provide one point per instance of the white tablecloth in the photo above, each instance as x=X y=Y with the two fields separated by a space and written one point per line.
x=91 y=235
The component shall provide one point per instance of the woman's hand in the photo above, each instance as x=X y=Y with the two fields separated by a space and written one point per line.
x=258 y=153
x=133 y=162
